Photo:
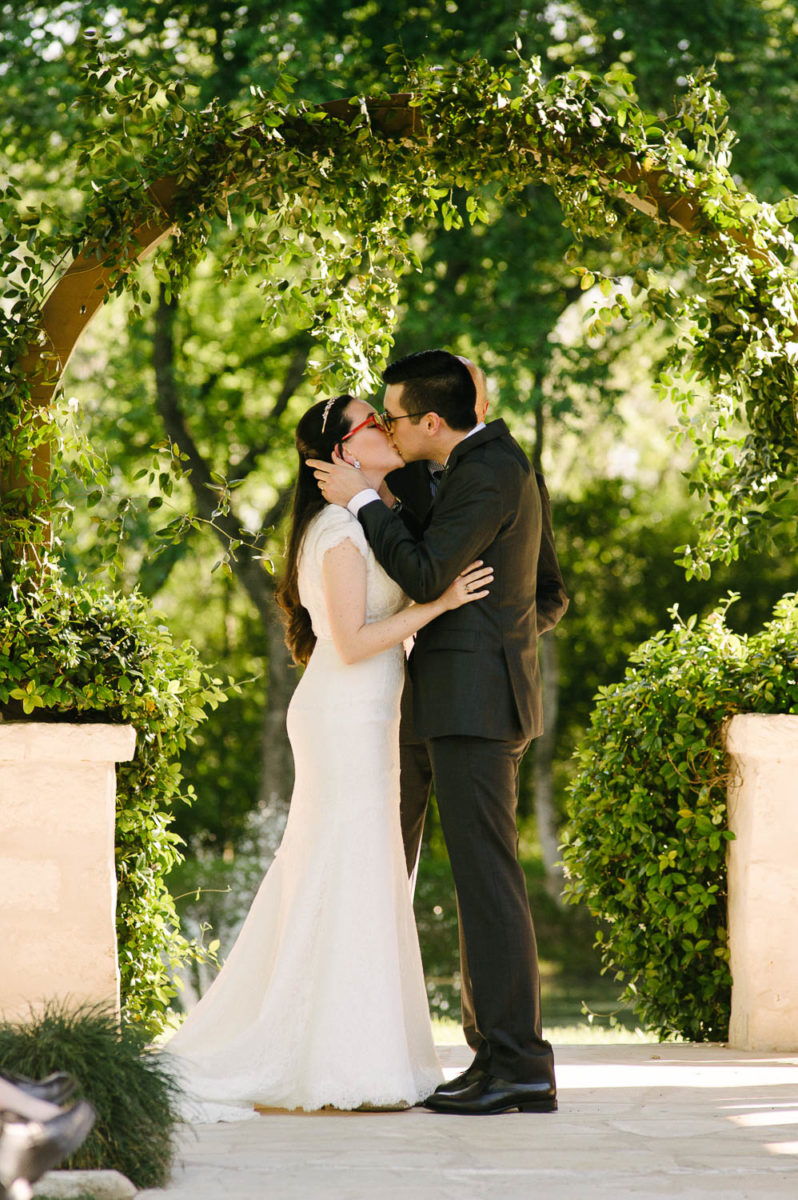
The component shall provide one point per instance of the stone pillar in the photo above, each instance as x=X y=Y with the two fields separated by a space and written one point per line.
x=57 y=871
x=763 y=881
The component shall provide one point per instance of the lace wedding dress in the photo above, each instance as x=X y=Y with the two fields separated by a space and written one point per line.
x=322 y=999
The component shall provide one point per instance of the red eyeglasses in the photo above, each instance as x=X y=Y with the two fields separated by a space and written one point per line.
x=373 y=419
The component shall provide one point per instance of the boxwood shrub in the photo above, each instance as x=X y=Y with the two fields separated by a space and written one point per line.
x=646 y=840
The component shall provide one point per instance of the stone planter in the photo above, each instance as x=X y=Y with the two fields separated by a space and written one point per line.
x=57 y=872
x=763 y=881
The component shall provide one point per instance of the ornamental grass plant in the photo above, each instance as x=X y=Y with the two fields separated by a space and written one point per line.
x=127 y=1082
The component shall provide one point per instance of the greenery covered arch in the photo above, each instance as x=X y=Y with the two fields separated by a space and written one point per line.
x=326 y=198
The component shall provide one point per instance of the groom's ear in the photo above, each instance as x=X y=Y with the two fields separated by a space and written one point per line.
x=432 y=423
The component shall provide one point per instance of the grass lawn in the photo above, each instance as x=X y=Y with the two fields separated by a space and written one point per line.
x=448 y=1032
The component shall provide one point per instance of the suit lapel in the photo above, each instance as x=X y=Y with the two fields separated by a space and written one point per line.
x=497 y=429
x=494 y=430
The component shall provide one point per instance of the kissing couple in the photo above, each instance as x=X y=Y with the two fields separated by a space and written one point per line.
x=419 y=524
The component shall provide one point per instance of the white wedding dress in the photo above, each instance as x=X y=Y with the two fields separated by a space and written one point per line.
x=322 y=999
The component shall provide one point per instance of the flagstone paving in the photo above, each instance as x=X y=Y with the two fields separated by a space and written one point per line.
x=636 y=1122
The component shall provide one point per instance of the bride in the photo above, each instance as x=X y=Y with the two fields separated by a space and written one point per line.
x=321 y=1001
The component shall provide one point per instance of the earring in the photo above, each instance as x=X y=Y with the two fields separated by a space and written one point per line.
x=356 y=464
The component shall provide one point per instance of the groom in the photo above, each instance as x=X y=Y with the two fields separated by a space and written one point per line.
x=477 y=701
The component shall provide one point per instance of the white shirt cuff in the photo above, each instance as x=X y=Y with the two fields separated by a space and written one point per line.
x=365 y=497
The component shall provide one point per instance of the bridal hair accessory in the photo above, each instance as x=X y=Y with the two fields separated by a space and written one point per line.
x=326 y=412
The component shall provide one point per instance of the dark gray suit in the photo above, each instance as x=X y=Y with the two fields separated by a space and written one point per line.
x=476 y=703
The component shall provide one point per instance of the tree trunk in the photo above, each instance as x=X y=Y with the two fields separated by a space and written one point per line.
x=543 y=753
x=543 y=760
x=277 y=763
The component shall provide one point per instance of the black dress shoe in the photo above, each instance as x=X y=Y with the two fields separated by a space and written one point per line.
x=487 y=1094
x=55 y=1089
x=461 y=1081
x=29 y=1148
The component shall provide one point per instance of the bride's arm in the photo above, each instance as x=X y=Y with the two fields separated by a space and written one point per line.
x=344 y=577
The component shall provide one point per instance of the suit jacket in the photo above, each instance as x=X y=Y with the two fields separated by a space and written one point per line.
x=475 y=669
x=411 y=486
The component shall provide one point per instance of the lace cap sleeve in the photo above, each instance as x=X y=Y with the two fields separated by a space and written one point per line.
x=333 y=526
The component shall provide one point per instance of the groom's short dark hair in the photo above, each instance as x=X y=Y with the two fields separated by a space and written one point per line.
x=435 y=381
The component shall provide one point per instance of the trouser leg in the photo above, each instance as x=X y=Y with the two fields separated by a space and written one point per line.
x=476 y=782
x=416 y=783
x=472 y=1035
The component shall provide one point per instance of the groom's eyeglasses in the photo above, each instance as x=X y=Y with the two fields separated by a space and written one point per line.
x=387 y=420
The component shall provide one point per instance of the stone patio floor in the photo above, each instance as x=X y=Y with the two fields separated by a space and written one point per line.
x=635 y=1121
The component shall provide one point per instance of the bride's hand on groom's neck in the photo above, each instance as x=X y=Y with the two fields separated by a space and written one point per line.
x=372 y=479
x=339 y=481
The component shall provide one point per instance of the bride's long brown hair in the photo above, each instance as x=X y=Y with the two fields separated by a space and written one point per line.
x=312 y=441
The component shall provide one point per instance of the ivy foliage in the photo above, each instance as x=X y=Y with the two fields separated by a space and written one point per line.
x=646 y=841
x=323 y=210
x=80 y=654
